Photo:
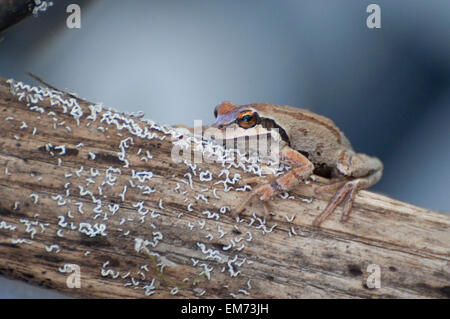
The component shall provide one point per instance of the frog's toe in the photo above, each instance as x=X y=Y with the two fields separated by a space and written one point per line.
x=263 y=192
x=348 y=192
x=334 y=202
x=267 y=209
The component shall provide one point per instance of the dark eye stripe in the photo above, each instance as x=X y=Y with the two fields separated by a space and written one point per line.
x=269 y=123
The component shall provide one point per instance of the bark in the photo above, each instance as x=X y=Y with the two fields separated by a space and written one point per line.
x=168 y=233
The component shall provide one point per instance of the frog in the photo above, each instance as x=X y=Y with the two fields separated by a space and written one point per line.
x=309 y=144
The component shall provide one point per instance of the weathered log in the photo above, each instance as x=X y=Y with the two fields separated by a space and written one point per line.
x=91 y=187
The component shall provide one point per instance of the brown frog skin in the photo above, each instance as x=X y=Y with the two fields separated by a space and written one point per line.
x=310 y=143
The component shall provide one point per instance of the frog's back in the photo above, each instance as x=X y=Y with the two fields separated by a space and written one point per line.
x=309 y=132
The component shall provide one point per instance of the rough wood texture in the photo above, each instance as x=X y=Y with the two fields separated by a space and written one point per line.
x=66 y=197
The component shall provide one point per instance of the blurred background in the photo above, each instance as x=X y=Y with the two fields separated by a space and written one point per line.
x=388 y=89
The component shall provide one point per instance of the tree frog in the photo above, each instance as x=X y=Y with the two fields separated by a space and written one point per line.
x=310 y=143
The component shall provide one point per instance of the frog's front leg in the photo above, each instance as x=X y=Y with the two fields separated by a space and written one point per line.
x=302 y=169
x=362 y=171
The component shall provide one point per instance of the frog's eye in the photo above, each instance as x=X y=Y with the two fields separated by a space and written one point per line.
x=247 y=119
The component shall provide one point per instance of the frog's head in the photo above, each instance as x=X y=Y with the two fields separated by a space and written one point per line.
x=230 y=116
x=247 y=120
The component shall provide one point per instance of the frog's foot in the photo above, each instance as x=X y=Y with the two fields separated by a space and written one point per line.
x=267 y=209
x=264 y=192
x=348 y=192
x=302 y=168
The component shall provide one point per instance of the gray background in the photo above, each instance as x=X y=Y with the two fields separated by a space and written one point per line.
x=387 y=89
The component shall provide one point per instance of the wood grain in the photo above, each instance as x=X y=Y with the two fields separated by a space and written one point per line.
x=62 y=202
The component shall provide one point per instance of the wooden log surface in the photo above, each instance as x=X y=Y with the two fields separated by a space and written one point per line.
x=86 y=186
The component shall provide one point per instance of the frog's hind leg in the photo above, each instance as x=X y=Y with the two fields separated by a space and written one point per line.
x=332 y=187
x=363 y=170
x=361 y=183
x=334 y=202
